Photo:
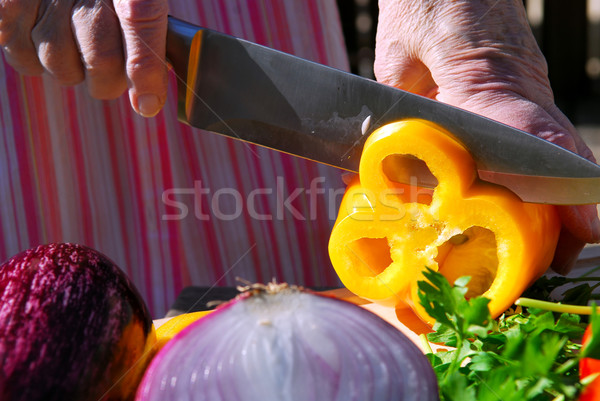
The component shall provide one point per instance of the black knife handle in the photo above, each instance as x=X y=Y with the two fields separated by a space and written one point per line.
x=180 y=38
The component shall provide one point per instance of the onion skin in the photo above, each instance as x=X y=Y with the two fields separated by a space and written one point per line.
x=72 y=327
x=289 y=346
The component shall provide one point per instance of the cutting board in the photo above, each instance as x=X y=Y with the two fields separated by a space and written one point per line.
x=413 y=327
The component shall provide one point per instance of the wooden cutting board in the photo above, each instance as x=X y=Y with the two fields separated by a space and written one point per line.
x=413 y=327
x=405 y=320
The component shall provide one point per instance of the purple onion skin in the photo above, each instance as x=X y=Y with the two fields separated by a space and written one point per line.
x=71 y=326
x=289 y=347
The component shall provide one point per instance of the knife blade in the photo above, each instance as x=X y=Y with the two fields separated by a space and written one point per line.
x=256 y=94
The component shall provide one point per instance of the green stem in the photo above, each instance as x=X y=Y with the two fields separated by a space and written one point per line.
x=567 y=365
x=425 y=344
x=554 y=307
x=581 y=278
x=591 y=271
x=455 y=364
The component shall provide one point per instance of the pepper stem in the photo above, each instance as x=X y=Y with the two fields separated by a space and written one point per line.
x=425 y=344
x=554 y=307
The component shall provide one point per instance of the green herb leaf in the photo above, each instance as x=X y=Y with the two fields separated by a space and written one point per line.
x=457 y=387
x=449 y=307
x=521 y=356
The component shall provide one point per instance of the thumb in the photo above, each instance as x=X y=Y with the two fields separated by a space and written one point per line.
x=144 y=29
x=405 y=73
x=398 y=62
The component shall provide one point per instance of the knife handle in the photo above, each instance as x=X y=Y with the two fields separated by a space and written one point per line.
x=180 y=36
x=182 y=40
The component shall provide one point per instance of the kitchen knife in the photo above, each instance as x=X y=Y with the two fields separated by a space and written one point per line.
x=256 y=94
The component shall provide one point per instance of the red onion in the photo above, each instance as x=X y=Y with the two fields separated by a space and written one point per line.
x=285 y=344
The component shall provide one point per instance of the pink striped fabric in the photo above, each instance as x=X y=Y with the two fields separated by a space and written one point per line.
x=92 y=172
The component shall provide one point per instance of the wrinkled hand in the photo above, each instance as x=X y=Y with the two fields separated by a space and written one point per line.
x=480 y=55
x=112 y=45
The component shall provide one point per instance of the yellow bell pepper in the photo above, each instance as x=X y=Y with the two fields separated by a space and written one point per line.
x=387 y=232
x=176 y=324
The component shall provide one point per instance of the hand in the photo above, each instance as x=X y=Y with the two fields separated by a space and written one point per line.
x=111 y=45
x=480 y=55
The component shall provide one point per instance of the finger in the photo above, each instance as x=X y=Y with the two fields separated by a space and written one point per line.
x=567 y=250
x=582 y=221
x=409 y=75
x=144 y=29
x=55 y=44
x=396 y=62
x=15 y=35
x=581 y=147
x=103 y=60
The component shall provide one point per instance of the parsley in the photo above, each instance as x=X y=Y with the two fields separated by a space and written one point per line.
x=523 y=355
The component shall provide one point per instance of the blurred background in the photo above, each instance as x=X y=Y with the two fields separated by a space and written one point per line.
x=568 y=33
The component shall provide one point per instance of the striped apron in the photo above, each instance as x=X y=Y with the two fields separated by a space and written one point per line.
x=171 y=205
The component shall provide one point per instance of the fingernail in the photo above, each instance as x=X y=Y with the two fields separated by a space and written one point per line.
x=148 y=105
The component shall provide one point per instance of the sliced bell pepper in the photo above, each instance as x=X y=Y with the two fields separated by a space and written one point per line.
x=387 y=232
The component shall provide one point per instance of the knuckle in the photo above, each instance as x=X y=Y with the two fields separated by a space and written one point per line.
x=15 y=21
x=144 y=24
x=45 y=33
x=146 y=69
x=143 y=59
x=139 y=64
x=560 y=138
x=6 y=34
x=9 y=33
x=587 y=153
x=100 y=62
x=66 y=69
x=6 y=37
x=9 y=12
x=99 y=56
x=145 y=78
x=96 y=18
x=68 y=76
x=25 y=61
x=141 y=11
x=57 y=50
